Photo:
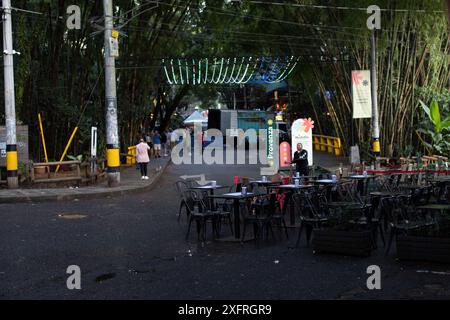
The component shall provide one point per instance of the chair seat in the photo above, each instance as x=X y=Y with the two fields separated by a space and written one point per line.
x=315 y=219
x=203 y=214
x=336 y=204
x=408 y=226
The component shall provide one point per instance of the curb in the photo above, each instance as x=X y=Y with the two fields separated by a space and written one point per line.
x=121 y=191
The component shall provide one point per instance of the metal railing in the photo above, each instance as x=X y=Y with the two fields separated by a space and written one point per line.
x=327 y=144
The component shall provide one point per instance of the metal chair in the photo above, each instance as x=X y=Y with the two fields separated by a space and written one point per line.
x=199 y=213
x=181 y=188
x=313 y=212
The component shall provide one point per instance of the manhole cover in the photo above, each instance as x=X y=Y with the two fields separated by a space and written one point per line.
x=71 y=216
x=105 y=277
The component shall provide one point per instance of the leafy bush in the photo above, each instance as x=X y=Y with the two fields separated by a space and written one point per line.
x=436 y=129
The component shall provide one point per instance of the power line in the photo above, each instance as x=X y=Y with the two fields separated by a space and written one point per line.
x=344 y=7
x=34 y=12
x=236 y=39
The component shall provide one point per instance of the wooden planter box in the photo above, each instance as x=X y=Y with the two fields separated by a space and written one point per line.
x=352 y=243
x=432 y=249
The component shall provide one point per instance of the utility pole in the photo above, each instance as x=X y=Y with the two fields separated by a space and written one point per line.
x=373 y=74
x=10 y=105
x=112 y=131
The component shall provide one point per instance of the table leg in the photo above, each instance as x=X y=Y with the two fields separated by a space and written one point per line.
x=237 y=219
x=291 y=208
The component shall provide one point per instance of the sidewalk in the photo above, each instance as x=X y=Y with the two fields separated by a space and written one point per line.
x=130 y=182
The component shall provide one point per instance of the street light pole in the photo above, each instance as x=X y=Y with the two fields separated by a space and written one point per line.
x=10 y=106
x=373 y=74
x=112 y=132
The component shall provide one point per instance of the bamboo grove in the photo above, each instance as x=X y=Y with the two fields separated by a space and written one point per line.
x=60 y=73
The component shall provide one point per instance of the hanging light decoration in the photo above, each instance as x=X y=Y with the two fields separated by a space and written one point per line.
x=228 y=70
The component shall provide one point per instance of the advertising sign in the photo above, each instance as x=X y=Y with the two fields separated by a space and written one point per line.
x=285 y=154
x=301 y=132
x=270 y=142
x=361 y=94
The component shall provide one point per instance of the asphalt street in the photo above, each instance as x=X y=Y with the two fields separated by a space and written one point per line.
x=132 y=247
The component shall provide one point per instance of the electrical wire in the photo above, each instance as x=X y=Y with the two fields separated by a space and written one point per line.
x=297 y=5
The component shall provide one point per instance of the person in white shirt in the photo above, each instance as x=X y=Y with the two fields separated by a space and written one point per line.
x=142 y=158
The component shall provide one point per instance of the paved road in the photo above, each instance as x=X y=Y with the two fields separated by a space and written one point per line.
x=132 y=247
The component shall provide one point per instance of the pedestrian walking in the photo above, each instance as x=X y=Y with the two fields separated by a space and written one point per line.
x=157 y=144
x=164 y=142
x=142 y=158
x=301 y=160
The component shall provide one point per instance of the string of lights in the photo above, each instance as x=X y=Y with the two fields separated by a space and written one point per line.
x=230 y=71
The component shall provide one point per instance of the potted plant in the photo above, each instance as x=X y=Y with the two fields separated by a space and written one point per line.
x=431 y=245
x=344 y=238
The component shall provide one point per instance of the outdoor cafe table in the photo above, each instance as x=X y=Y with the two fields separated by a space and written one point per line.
x=291 y=188
x=236 y=197
x=266 y=183
x=362 y=182
x=211 y=190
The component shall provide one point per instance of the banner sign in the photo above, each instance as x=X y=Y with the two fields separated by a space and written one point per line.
x=301 y=132
x=270 y=142
x=285 y=154
x=361 y=94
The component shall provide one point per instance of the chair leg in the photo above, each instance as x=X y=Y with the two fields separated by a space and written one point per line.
x=243 y=232
x=308 y=234
x=203 y=227
x=189 y=228
x=283 y=222
x=217 y=225
x=182 y=204
x=269 y=226
x=381 y=234
x=391 y=238
x=231 y=224
x=299 y=235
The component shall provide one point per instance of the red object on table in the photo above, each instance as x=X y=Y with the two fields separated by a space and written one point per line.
x=285 y=180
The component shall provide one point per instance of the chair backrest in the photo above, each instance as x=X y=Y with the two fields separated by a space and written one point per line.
x=254 y=187
x=193 y=201
x=397 y=209
x=307 y=204
x=182 y=186
x=345 y=192
x=192 y=183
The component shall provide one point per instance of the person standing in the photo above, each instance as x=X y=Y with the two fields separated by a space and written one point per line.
x=142 y=158
x=301 y=160
x=157 y=144
x=163 y=135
